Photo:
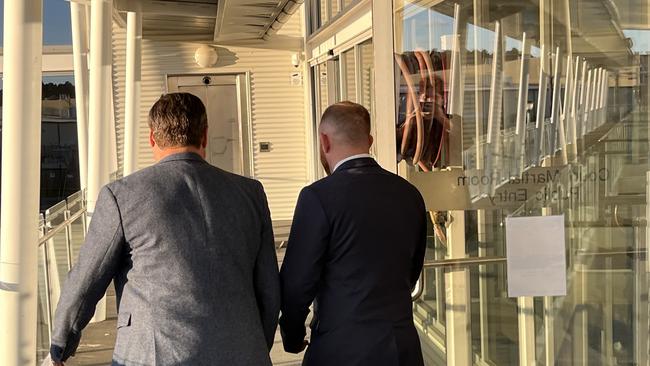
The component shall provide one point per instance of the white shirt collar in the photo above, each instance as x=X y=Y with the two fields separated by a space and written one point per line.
x=358 y=156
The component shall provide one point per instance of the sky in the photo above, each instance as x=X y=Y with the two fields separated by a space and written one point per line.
x=56 y=22
x=640 y=40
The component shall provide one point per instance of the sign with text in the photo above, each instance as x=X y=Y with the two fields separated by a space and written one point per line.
x=535 y=248
x=460 y=189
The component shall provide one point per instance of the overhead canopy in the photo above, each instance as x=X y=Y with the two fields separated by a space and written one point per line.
x=210 y=20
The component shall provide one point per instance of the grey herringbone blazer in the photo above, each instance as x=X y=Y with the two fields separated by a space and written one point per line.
x=190 y=250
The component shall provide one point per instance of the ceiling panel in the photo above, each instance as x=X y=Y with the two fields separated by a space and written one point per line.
x=226 y=20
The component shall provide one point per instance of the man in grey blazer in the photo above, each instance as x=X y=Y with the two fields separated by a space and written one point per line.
x=190 y=250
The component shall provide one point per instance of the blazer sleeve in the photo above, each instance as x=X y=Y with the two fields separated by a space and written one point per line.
x=266 y=276
x=99 y=260
x=302 y=267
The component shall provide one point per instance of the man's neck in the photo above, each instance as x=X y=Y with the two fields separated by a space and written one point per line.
x=347 y=157
x=163 y=153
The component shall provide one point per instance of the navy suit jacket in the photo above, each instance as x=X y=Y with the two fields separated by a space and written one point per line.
x=355 y=250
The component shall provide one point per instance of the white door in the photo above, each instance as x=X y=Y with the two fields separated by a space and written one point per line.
x=226 y=104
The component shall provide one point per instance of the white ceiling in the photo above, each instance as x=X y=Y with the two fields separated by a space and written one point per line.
x=205 y=20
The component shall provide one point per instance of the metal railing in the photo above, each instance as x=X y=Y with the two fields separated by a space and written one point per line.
x=466 y=262
x=62 y=230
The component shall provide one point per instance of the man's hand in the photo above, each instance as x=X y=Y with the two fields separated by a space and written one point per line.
x=305 y=344
x=300 y=348
x=48 y=361
x=56 y=355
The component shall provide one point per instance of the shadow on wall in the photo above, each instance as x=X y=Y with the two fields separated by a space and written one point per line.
x=226 y=57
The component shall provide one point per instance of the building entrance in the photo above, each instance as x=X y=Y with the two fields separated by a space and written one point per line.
x=226 y=102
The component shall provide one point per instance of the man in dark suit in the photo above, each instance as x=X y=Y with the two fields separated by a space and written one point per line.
x=190 y=250
x=355 y=250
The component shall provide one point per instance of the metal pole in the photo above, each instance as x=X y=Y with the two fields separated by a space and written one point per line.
x=133 y=80
x=68 y=238
x=21 y=153
x=80 y=55
x=48 y=289
x=99 y=104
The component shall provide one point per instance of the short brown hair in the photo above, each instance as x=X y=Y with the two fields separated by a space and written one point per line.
x=178 y=119
x=350 y=121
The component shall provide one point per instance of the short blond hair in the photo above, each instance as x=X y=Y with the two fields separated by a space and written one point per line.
x=350 y=122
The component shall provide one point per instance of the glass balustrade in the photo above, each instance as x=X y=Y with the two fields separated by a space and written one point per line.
x=62 y=230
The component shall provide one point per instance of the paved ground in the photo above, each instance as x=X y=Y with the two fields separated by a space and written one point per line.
x=96 y=346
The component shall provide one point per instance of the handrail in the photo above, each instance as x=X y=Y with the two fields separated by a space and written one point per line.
x=459 y=262
x=463 y=262
x=50 y=234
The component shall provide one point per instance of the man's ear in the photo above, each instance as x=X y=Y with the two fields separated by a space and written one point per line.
x=325 y=142
x=370 y=140
x=152 y=141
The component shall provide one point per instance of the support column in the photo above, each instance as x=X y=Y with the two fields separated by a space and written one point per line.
x=100 y=111
x=80 y=55
x=133 y=81
x=385 y=113
x=99 y=102
x=526 y=329
x=458 y=327
x=21 y=155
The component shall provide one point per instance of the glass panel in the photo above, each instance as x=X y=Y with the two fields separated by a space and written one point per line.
x=367 y=73
x=59 y=155
x=335 y=79
x=423 y=60
x=336 y=8
x=348 y=76
x=76 y=204
x=540 y=109
x=347 y=3
x=42 y=327
x=321 y=75
x=323 y=11
x=56 y=256
x=494 y=317
x=366 y=83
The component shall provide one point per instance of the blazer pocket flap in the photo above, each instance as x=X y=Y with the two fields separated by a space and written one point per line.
x=123 y=320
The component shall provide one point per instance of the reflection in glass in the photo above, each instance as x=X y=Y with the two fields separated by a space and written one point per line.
x=422 y=123
x=557 y=89
x=366 y=69
x=324 y=12
x=335 y=7
x=347 y=3
x=348 y=76
x=321 y=78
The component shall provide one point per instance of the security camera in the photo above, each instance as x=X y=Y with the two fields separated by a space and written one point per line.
x=207 y=80
x=296 y=59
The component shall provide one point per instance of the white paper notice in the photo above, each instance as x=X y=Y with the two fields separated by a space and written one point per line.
x=536 y=256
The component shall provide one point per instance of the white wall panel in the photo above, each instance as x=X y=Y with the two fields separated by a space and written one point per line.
x=277 y=106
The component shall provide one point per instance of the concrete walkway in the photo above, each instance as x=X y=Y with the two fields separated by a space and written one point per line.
x=98 y=340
